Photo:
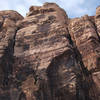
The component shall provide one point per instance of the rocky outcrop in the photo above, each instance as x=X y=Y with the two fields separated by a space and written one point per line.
x=48 y=56
x=85 y=37
x=8 y=28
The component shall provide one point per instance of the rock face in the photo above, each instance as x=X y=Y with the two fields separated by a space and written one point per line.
x=48 y=56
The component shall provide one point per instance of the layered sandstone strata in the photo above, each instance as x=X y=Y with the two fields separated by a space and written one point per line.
x=48 y=56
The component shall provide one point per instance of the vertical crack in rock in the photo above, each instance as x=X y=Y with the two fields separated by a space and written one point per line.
x=83 y=81
x=95 y=27
x=68 y=76
x=92 y=19
x=85 y=38
x=82 y=86
x=97 y=20
x=7 y=40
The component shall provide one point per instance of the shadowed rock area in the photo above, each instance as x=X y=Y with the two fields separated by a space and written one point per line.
x=48 y=56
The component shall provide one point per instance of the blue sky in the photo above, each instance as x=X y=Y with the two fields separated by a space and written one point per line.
x=74 y=8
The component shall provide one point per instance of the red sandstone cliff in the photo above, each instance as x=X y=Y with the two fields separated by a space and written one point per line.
x=48 y=56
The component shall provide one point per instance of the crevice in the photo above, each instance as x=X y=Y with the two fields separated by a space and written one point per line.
x=60 y=76
x=84 y=79
x=95 y=27
x=22 y=96
x=7 y=60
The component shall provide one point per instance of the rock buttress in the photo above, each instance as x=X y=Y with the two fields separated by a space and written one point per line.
x=85 y=36
x=8 y=28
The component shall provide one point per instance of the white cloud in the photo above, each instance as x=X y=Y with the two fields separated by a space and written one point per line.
x=21 y=9
x=71 y=3
x=21 y=6
x=4 y=5
x=33 y=2
x=72 y=7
